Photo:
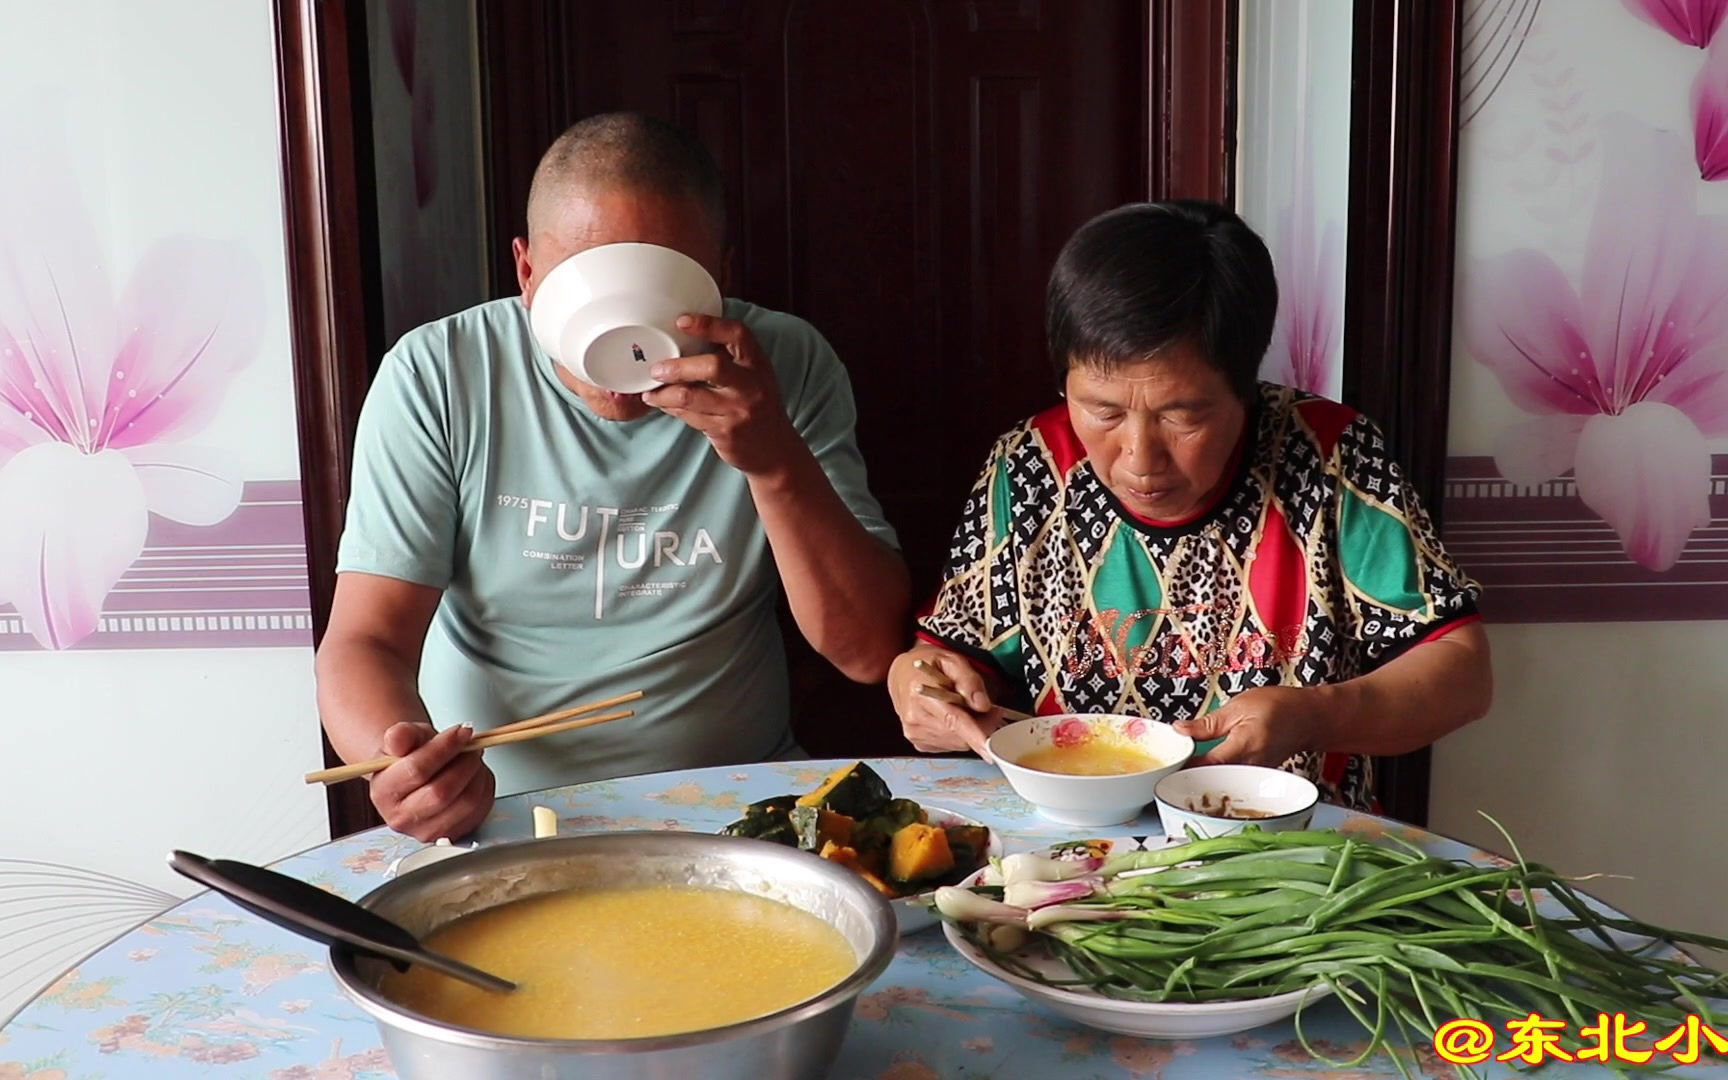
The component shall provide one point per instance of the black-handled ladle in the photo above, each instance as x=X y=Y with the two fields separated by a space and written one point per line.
x=322 y=916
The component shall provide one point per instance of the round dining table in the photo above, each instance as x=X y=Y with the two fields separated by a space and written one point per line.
x=208 y=990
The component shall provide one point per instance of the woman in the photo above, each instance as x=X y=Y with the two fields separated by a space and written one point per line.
x=1181 y=541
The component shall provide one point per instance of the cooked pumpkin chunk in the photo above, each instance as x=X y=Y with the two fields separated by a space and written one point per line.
x=854 y=790
x=815 y=827
x=839 y=853
x=879 y=885
x=772 y=825
x=919 y=852
x=778 y=804
x=835 y=827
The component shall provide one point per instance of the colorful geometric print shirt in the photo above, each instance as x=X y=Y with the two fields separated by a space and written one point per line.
x=1316 y=565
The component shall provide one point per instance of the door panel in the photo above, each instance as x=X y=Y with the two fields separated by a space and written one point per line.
x=901 y=173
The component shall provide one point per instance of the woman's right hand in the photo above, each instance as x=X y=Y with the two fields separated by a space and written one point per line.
x=434 y=790
x=932 y=725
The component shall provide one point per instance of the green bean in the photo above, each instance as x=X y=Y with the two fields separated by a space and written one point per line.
x=1246 y=904
x=1199 y=851
x=1374 y=883
x=1375 y=1031
x=1342 y=868
x=1222 y=870
x=1403 y=899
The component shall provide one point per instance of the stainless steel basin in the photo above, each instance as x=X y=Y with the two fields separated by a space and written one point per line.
x=798 y=1042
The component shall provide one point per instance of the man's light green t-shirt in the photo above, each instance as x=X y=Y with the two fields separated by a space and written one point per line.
x=582 y=558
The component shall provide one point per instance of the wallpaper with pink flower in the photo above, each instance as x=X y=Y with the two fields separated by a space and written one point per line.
x=1307 y=339
x=1593 y=291
x=1294 y=112
x=110 y=375
x=1624 y=369
x=1690 y=22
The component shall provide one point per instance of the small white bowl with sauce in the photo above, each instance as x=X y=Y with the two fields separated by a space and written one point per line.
x=1217 y=800
x=1088 y=769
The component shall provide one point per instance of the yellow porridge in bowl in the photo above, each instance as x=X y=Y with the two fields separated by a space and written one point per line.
x=628 y=963
x=1099 y=757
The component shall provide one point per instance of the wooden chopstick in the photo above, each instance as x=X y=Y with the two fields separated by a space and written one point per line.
x=955 y=699
x=493 y=738
x=932 y=670
x=490 y=739
x=562 y=714
x=945 y=692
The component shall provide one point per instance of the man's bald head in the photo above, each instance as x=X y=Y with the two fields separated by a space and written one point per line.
x=626 y=153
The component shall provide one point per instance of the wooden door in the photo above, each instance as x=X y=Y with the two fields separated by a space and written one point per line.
x=1406 y=53
x=902 y=173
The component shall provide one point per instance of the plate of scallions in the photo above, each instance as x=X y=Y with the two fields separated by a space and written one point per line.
x=1195 y=938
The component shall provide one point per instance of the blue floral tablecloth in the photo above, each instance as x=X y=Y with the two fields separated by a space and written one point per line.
x=208 y=990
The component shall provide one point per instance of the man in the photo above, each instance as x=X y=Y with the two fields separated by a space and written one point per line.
x=546 y=542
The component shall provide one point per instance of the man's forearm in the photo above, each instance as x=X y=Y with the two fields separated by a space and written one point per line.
x=848 y=591
x=1428 y=693
x=364 y=688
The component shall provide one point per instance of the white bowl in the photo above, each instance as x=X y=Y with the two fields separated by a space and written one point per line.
x=426 y=856
x=1088 y=800
x=609 y=313
x=1147 y=1020
x=1289 y=798
x=915 y=912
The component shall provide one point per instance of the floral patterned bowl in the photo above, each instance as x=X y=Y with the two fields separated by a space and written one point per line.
x=1072 y=799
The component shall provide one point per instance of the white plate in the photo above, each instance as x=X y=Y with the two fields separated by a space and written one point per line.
x=1151 y=1020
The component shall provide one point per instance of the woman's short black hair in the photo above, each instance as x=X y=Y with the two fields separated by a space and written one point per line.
x=1147 y=276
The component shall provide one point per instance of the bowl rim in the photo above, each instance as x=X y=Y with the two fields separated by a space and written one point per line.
x=539 y=313
x=669 y=256
x=341 y=961
x=1308 y=807
x=1165 y=768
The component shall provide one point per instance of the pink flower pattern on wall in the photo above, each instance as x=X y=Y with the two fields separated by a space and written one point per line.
x=1710 y=113
x=1305 y=338
x=1626 y=374
x=101 y=391
x=1690 y=22
x=1697 y=23
x=1309 y=255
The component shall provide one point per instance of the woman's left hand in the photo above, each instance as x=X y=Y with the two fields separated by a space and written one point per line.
x=1266 y=726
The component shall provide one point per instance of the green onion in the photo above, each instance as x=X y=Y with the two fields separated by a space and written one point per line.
x=1406 y=941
